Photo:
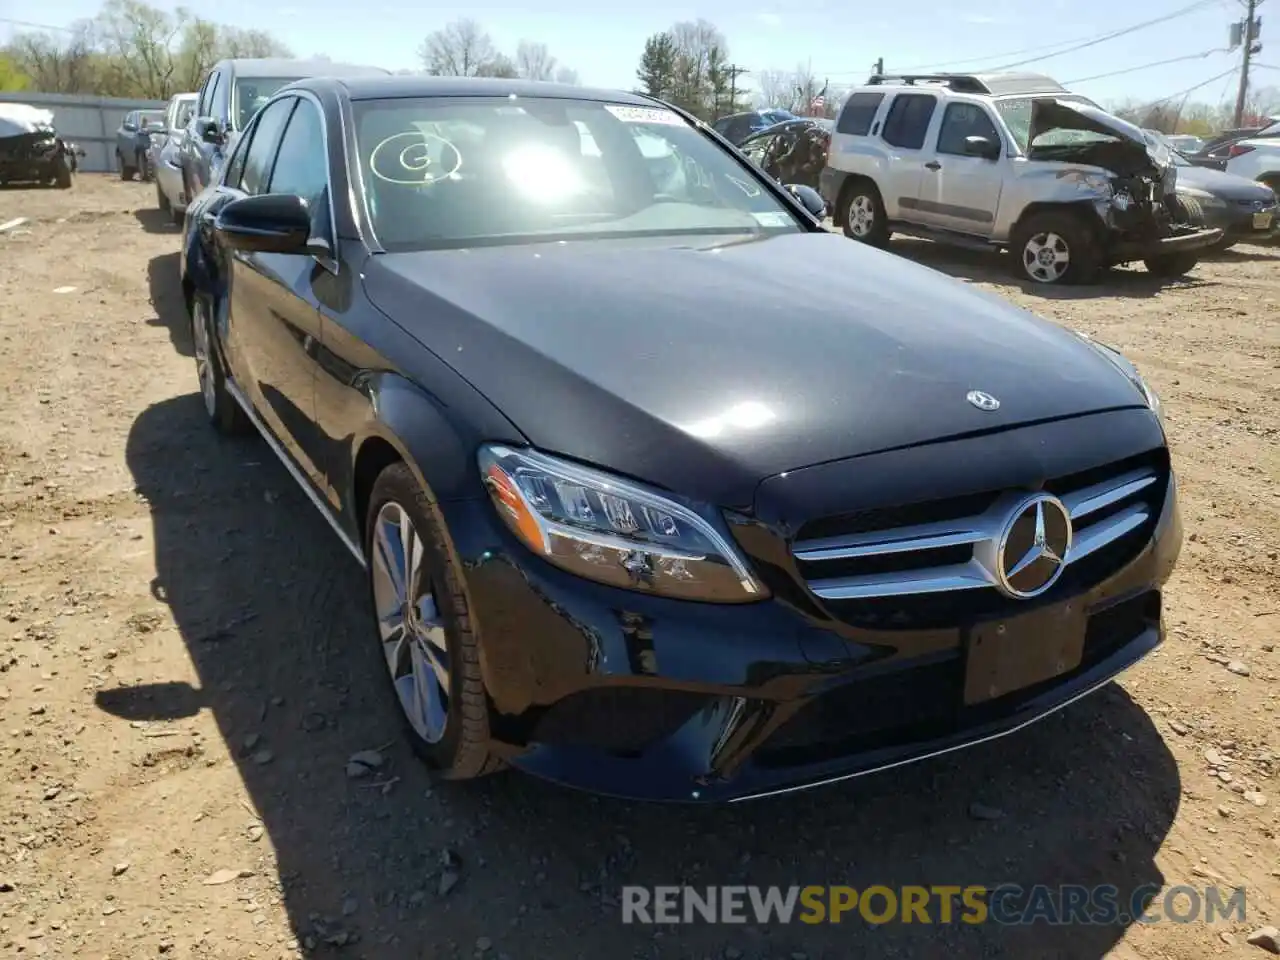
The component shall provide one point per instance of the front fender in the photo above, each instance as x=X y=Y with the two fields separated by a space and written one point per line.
x=436 y=436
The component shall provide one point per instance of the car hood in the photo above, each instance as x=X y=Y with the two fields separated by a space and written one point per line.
x=707 y=367
x=1053 y=114
x=1228 y=186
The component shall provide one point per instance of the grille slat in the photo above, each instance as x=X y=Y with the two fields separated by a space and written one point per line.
x=937 y=556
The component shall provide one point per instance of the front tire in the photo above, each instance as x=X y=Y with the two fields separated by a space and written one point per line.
x=864 y=217
x=61 y=173
x=1172 y=265
x=425 y=629
x=1054 y=247
x=126 y=171
x=221 y=408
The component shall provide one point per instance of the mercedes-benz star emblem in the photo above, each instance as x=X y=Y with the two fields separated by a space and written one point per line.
x=1033 y=546
x=983 y=401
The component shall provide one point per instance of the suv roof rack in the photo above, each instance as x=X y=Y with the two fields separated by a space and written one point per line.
x=992 y=84
x=960 y=82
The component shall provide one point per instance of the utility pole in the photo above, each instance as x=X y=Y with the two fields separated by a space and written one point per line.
x=734 y=70
x=1250 y=31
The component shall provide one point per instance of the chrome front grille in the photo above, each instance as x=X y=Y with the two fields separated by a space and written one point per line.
x=959 y=553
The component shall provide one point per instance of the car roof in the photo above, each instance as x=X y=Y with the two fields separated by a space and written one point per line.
x=287 y=67
x=391 y=87
x=1003 y=84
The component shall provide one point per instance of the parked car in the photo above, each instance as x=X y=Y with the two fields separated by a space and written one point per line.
x=229 y=97
x=1215 y=151
x=1257 y=158
x=133 y=142
x=1243 y=209
x=171 y=198
x=738 y=126
x=793 y=151
x=667 y=495
x=1012 y=161
x=31 y=149
x=1185 y=143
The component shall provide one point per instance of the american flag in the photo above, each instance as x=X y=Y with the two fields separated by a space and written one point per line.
x=818 y=105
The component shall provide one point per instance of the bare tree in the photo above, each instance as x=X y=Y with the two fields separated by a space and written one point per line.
x=566 y=76
x=459 y=49
x=238 y=42
x=534 y=61
x=788 y=89
x=500 y=65
x=699 y=47
x=58 y=66
x=140 y=41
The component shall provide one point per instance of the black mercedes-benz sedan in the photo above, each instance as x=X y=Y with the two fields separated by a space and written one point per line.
x=661 y=489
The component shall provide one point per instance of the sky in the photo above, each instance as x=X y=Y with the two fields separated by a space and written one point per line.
x=838 y=39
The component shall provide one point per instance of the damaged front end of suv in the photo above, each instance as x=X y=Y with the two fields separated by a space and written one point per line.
x=1107 y=196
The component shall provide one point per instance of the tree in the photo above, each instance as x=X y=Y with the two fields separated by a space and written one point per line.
x=694 y=41
x=11 y=77
x=499 y=66
x=461 y=48
x=132 y=49
x=657 y=71
x=566 y=76
x=790 y=90
x=534 y=61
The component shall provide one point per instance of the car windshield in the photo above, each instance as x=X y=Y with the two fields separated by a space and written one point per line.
x=1017 y=112
x=446 y=173
x=251 y=93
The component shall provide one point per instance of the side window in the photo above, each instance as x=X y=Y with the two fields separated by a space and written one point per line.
x=205 y=101
x=757 y=150
x=908 y=120
x=964 y=120
x=218 y=99
x=858 y=113
x=302 y=164
x=262 y=149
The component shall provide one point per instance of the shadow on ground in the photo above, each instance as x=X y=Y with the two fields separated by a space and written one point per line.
x=155 y=220
x=995 y=268
x=165 y=287
x=274 y=614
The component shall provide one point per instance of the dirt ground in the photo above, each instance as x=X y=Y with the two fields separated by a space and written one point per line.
x=184 y=672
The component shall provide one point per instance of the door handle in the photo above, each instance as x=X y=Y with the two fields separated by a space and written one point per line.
x=933 y=165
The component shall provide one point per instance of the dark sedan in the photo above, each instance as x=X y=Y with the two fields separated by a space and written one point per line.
x=1244 y=209
x=662 y=490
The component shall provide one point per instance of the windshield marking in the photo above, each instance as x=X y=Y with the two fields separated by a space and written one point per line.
x=628 y=114
x=413 y=154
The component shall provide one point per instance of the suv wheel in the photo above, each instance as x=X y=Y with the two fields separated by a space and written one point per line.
x=424 y=627
x=1055 y=248
x=126 y=171
x=864 y=216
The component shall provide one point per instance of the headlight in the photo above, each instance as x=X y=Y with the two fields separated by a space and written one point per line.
x=614 y=531
x=1126 y=366
x=1203 y=197
x=1094 y=182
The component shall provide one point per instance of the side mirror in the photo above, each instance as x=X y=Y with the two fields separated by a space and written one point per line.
x=155 y=126
x=983 y=147
x=128 y=127
x=267 y=223
x=209 y=130
x=809 y=198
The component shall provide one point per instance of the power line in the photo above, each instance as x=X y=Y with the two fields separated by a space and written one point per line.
x=1181 y=12
x=34 y=26
x=1081 y=43
x=1191 y=89
x=1147 y=66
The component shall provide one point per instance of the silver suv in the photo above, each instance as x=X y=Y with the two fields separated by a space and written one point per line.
x=1008 y=160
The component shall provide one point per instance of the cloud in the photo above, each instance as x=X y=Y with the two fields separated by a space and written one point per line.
x=769 y=19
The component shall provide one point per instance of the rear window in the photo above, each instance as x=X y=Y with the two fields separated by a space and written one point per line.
x=859 y=110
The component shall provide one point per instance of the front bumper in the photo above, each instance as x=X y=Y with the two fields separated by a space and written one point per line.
x=1240 y=221
x=646 y=698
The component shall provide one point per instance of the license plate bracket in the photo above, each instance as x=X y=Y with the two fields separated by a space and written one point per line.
x=1262 y=221
x=1003 y=656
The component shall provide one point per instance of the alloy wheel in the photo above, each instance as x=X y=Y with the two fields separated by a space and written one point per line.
x=414 y=643
x=1046 y=257
x=204 y=361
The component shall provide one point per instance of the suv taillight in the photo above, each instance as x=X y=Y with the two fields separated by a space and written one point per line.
x=1238 y=150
